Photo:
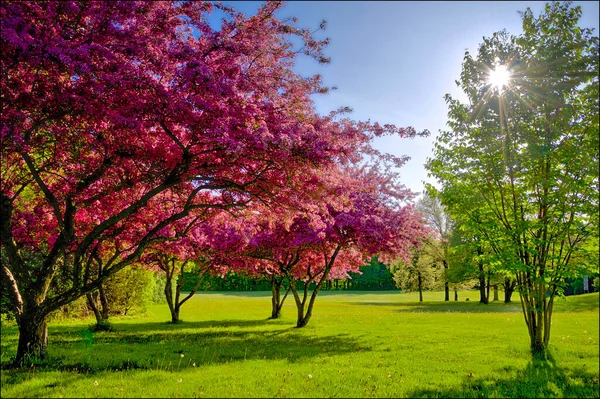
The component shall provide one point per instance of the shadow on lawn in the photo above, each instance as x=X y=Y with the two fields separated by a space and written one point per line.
x=158 y=346
x=448 y=307
x=540 y=379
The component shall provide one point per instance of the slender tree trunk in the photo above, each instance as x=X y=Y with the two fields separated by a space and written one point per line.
x=276 y=300
x=487 y=287
x=482 y=297
x=420 y=282
x=537 y=310
x=275 y=295
x=104 y=302
x=496 y=292
x=33 y=336
x=100 y=312
x=304 y=316
x=173 y=308
x=455 y=295
x=446 y=285
x=300 y=304
x=91 y=300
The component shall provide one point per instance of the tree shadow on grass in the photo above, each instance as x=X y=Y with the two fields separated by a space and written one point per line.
x=448 y=307
x=160 y=346
x=542 y=378
x=577 y=303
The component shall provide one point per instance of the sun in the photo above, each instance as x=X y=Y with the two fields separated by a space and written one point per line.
x=499 y=77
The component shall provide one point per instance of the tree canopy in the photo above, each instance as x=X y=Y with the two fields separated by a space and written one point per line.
x=519 y=164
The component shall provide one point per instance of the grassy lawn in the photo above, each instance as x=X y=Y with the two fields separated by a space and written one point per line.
x=356 y=345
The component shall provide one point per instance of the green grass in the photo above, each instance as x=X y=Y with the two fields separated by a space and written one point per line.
x=356 y=345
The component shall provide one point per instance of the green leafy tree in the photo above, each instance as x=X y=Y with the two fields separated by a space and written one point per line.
x=420 y=274
x=519 y=164
x=438 y=245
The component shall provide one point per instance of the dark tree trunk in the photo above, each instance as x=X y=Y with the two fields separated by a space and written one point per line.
x=33 y=337
x=104 y=302
x=420 y=282
x=509 y=288
x=275 y=296
x=487 y=287
x=175 y=314
x=276 y=300
x=173 y=306
x=446 y=286
x=101 y=313
x=482 y=297
x=446 y=292
x=455 y=295
x=91 y=300
x=304 y=316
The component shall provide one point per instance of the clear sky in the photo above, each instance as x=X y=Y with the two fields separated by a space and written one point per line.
x=393 y=61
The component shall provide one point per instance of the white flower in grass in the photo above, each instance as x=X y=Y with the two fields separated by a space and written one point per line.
x=179 y=380
x=182 y=355
x=309 y=376
x=194 y=364
x=95 y=383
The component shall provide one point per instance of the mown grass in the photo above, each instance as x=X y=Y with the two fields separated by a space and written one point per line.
x=356 y=345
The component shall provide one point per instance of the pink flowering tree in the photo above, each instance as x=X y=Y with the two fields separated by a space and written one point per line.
x=358 y=214
x=123 y=118
x=368 y=220
x=179 y=258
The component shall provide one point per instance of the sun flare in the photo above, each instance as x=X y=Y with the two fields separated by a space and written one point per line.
x=499 y=77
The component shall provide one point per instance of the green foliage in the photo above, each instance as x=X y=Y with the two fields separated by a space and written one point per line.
x=131 y=289
x=519 y=168
x=519 y=164
x=360 y=344
x=423 y=266
x=75 y=310
x=158 y=288
x=373 y=277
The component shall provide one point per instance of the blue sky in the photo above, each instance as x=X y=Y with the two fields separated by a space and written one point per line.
x=393 y=61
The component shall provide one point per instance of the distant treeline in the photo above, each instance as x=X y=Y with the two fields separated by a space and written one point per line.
x=374 y=276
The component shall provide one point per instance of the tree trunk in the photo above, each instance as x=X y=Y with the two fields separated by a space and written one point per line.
x=446 y=292
x=420 y=282
x=482 y=296
x=103 y=302
x=173 y=307
x=276 y=300
x=446 y=285
x=175 y=314
x=101 y=313
x=33 y=337
x=537 y=310
x=300 y=321
x=509 y=287
x=275 y=295
x=91 y=300
x=496 y=292
x=455 y=295
x=487 y=287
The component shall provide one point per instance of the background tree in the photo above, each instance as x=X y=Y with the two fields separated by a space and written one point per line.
x=418 y=274
x=438 y=245
x=519 y=165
